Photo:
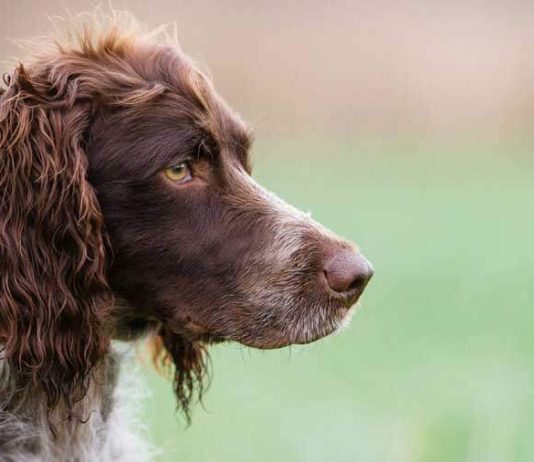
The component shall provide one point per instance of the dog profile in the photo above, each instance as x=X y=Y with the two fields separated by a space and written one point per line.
x=127 y=212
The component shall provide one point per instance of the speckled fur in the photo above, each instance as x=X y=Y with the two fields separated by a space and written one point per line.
x=107 y=427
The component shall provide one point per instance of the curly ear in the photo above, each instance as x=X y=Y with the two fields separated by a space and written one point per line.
x=190 y=361
x=53 y=290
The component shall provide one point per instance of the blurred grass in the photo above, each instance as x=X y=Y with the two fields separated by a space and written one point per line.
x=437 y=364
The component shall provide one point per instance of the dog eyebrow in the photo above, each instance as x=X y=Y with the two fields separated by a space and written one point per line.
x=239 y=141
x=180 y=149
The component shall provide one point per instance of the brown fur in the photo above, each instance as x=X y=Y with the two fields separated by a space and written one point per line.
x=95 y=244
x=54 y=294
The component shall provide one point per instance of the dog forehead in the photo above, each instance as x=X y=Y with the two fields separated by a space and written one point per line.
x=223 y=129
x=184 y=113
x=215 y=126
x=217 y=119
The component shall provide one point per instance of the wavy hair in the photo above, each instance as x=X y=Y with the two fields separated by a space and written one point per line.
x=53 y=289
x=56 y=305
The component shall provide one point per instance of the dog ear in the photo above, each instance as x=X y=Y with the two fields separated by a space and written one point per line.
x=53 y=290
x=186 y=361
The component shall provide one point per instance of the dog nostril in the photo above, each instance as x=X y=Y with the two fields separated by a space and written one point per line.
x=347 y=272
x=358 y=282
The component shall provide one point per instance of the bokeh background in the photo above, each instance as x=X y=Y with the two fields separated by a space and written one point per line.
x=407 y=127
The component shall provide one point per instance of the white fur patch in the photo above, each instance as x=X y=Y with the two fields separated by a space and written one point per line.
x=119 y=438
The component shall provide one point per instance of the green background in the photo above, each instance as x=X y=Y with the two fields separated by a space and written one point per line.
x=362 y=110
x=437 y=364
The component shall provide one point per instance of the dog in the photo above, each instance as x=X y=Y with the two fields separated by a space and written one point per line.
x=127 y=212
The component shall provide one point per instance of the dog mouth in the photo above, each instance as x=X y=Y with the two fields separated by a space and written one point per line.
x=279 y=325
x=337 y=322
x=328 y=321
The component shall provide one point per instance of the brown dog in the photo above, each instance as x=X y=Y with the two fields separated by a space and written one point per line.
x=127 y=209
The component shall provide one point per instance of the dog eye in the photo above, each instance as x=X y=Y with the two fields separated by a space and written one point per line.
x=179 y=173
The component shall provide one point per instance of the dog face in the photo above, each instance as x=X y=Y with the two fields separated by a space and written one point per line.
x=198 y=246
x=127 y=207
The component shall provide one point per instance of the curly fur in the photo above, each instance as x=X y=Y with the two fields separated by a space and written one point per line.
x=96 y=245
x=55 y=300
x=54 y=293
x=55 y=296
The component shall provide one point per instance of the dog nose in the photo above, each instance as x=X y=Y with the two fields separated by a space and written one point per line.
x=348 y=272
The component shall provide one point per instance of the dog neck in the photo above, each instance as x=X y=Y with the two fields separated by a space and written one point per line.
x=96 y=428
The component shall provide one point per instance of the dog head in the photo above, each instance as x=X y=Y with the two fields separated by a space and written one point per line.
x=129 y=144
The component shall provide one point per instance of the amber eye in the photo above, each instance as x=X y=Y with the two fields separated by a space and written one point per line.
x=179 y=173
